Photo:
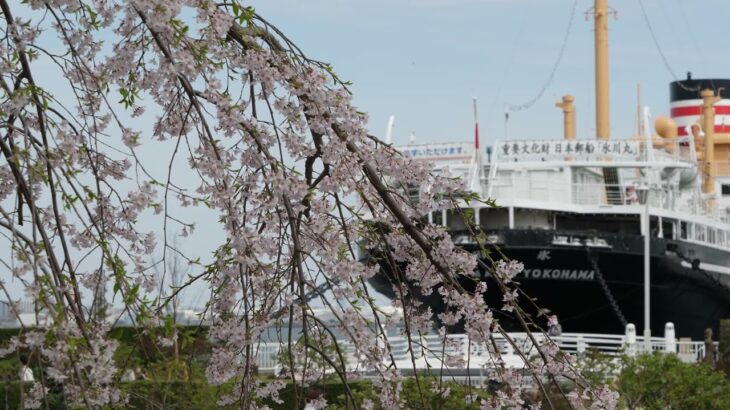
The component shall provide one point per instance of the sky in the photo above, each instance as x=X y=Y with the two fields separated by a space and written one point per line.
x=423 y=60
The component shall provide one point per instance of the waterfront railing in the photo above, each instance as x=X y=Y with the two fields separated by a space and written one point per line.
x=459 y=355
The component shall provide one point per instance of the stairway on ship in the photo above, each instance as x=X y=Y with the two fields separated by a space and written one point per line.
x=614 y=193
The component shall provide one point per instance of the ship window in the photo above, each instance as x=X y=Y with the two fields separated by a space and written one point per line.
x=711 y=237
x=725 y=190
x=668 y=229
x=413 y=192
x=683 y=230
x=438 y=218
x=457 y=220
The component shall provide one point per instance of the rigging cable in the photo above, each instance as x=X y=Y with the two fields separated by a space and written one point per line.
x=536 y=98
x=606 y=290
x=659 y=50
x=692 y=37
x=516 y=40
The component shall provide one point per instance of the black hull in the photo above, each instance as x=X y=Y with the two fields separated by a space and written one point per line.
x=567 y=280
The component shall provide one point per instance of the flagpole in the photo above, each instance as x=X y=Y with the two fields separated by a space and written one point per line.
x=477 y=152
x=476 y=125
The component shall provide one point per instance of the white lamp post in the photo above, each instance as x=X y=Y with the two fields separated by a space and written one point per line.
x=643 y=194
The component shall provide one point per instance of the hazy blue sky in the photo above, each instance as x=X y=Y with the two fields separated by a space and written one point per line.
x=423 y=60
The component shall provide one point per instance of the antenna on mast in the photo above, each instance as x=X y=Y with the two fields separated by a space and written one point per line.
x=506 y=120
x=476 y=125
x=389 y=131
x=639 y=117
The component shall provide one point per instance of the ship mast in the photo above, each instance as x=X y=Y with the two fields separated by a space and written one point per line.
x=603 y=128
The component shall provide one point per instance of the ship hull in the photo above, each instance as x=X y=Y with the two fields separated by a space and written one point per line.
x=597 y=289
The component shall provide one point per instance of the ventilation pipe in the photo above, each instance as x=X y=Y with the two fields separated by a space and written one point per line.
x=708 y=125
x=568 y=116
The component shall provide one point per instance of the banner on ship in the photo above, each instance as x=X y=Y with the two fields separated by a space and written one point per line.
x=546 y=148
x=457 y=151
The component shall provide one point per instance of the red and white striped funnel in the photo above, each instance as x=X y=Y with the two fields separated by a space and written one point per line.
x=686 y=104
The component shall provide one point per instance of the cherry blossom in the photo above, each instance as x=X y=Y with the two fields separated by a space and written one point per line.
x=118 y=113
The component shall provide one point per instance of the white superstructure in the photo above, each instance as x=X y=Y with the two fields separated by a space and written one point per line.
x=534 y=179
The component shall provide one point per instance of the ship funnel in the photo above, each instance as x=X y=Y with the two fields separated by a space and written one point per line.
x=700 y=110
x=686 y=103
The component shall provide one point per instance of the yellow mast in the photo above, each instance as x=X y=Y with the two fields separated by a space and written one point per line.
x=603 y=128
x=708 y=124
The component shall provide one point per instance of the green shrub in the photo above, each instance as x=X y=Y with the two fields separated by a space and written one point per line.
x=598 y=368
x=662 y=381
x=10 y=393
x=142 y=394
x=173 y=395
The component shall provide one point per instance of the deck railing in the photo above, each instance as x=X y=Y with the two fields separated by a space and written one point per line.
x=556 y=191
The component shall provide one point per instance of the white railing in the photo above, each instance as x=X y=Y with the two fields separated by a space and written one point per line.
x=557 y=192
x=553 y=191
x=268 y=356
x=691 y=352
x=457 y=352
x=621 y=194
